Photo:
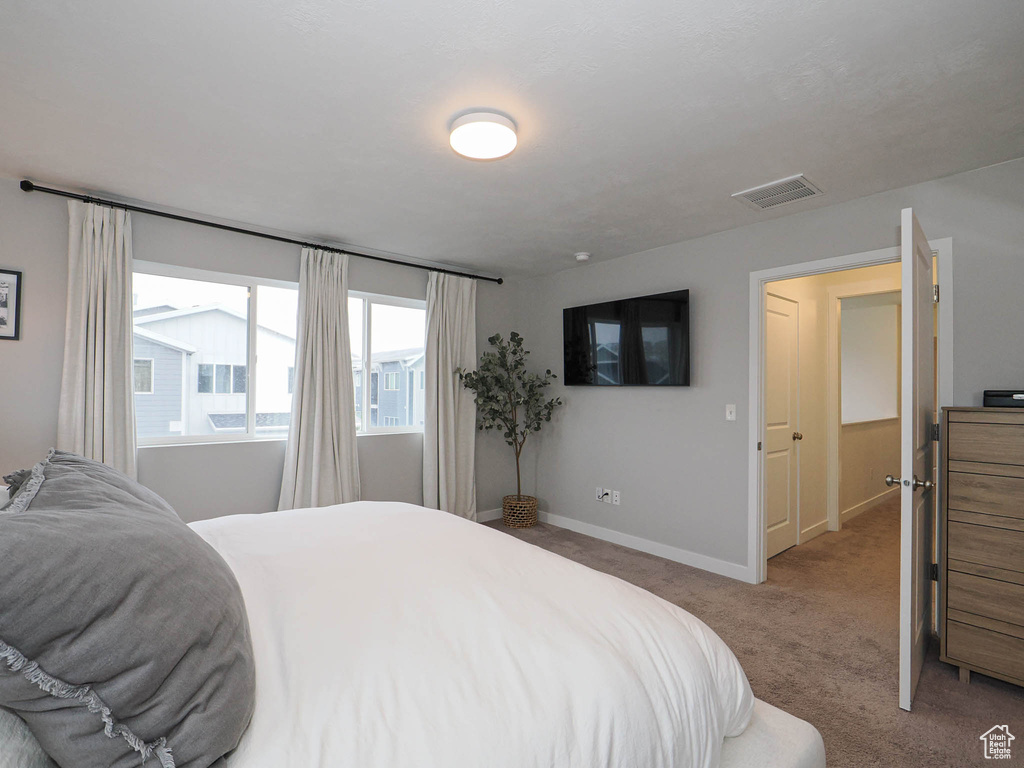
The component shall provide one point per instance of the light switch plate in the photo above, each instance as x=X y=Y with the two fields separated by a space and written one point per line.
x=730 y=412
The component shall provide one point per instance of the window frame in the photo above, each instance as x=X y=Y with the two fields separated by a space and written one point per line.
x=226 y=278
x=394 y=301
x=152 y=374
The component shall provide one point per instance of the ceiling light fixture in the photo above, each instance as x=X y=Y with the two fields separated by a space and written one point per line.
x=483 y=135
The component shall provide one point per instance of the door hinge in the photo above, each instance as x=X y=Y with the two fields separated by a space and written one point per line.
x=759 y=445
x=935 y=294
x=935 y=572
x=936 y=433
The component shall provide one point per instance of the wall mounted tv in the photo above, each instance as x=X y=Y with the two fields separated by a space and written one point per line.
x=644 y=341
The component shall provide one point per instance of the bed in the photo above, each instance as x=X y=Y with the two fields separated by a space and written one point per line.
x=451 y=644
x=371 y=635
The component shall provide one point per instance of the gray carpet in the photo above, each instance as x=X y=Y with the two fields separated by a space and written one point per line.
x=819 y=639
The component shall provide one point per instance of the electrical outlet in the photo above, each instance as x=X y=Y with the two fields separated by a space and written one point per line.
x=607 y=496
x=730 y=412
x=599 y=493
x=616 y=500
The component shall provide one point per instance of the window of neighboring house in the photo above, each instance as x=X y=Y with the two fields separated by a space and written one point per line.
x=195 y=315
x=221 y=379
x=423 y=379
x=143 y=376
x=386 y=332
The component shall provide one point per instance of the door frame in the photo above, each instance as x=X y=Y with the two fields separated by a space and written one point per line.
x=757 y=562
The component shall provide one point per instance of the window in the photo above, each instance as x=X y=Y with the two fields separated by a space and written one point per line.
x=387 y=336
x=221 y=379
x=291 y=379
x=423 y=379
x=143 y=376
x=207 y=331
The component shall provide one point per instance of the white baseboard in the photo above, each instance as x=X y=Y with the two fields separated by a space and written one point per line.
x=487 y=515
x=848 y=514
x=704 y=562
x=813 y=531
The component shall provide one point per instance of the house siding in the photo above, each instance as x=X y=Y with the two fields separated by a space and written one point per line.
x=154 y=413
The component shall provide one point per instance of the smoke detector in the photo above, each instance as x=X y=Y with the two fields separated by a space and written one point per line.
x=777 y=193
x=582 y=256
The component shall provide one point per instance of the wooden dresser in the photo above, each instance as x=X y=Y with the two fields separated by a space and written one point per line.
x=981 y=562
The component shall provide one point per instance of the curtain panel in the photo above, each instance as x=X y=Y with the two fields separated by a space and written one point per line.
x=96 y=416
x=449 y=429
x=321 y=462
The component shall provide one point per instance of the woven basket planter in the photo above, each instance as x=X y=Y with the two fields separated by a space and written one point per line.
x=519 y=511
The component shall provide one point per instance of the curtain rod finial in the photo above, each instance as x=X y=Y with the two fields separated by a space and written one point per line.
x=27 y=185
x=500 y=281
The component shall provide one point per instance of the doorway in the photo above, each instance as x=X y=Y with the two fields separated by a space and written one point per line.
x=757 y=557
x=831 y=400
x=919 y=373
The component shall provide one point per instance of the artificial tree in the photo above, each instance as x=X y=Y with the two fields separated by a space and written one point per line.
x=510 y=398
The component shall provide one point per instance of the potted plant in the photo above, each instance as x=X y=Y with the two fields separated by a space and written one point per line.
x=510 y=398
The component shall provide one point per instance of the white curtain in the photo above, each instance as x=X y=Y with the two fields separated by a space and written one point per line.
x=449 y=430
x=321 y=465
x=97 y=397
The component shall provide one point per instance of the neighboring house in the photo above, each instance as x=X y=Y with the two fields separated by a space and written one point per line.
x=397 y=389
x=194 y=361
x=191 y=376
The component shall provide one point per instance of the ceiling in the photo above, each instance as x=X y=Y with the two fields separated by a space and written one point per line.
x=636 y=120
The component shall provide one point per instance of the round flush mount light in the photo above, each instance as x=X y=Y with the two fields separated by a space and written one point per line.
x=582 y=256
x=483 y=135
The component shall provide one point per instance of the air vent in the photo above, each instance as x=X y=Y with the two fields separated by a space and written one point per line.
x=778 y=193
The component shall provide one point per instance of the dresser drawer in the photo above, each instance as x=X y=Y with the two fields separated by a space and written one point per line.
x=998 y=547
x=990 y=443
x=985 y=597
x=985 y=649
x=988 y=494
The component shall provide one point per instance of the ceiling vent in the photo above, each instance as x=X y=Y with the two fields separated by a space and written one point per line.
x=778 y=193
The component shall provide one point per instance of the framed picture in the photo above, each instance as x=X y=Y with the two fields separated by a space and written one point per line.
x=10 y=305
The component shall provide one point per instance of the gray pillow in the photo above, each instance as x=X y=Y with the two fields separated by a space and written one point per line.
x=18 y=747
x=123 y=635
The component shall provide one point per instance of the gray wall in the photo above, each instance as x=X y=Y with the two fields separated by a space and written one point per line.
x=200 y=481
x=681 y=468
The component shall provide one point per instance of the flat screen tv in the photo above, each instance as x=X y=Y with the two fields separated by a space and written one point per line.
x=643 y=341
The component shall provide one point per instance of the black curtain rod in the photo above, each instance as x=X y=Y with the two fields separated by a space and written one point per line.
x=29 y=186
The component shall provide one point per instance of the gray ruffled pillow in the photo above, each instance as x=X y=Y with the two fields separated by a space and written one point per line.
x=123 y=635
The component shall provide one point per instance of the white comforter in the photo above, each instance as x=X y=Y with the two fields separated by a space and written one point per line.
x=391 y=636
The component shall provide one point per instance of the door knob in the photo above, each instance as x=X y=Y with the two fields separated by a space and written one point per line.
x=891 y=481
x=798 y=436
x=926 y=484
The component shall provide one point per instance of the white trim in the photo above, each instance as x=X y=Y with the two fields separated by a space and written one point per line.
x=848 y=514
x=684 y=556
x=813 y=531
x=488 y=515
x=757 y=567
x=675 y=554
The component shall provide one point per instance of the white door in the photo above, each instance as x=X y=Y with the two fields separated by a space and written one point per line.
x=917 y=464
x=782 y=411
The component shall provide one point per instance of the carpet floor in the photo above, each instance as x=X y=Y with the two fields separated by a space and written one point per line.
x=819 y=639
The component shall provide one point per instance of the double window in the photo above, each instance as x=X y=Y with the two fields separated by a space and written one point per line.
x=215 y=355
